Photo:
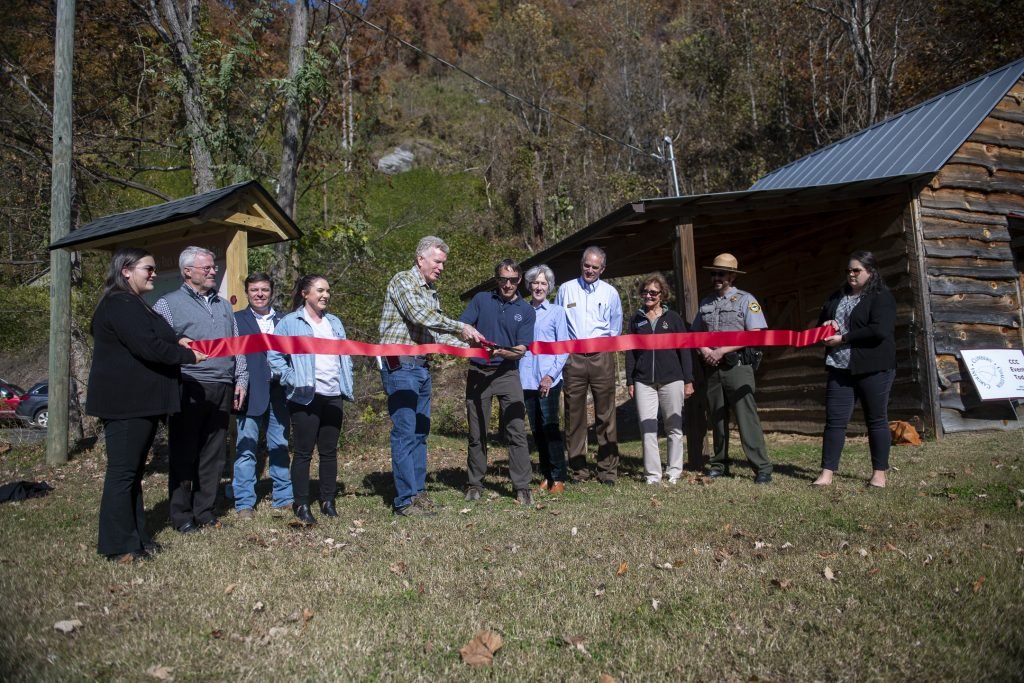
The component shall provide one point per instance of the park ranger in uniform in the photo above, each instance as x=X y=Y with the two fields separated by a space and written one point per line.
x=730 y=369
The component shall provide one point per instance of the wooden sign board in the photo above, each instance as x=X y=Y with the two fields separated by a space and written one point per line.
x=998 y=374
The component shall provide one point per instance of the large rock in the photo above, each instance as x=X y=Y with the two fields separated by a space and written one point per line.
x=399 y=161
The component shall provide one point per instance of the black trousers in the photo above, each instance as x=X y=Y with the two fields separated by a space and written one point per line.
x=841 y=392
x=122 y=515
x=317 y=424
x=197 y=437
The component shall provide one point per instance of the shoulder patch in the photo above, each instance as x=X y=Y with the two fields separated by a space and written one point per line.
x=754 y=307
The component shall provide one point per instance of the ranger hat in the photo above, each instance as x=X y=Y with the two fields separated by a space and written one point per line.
x=726 y=262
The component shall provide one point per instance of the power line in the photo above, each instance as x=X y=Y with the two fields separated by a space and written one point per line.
x=503 y=91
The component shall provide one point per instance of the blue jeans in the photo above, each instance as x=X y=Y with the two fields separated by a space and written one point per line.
x=275 y=421
x=409 y=390
x=547 y=433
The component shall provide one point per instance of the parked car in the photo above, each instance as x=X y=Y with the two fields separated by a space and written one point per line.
x=10 y=397
x=33 y=409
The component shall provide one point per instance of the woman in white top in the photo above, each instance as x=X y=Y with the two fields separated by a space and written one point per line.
x=316 y=386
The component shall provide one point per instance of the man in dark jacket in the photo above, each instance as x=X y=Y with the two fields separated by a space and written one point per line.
x=264 y=408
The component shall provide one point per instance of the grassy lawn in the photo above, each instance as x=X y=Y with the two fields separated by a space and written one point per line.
x=709 y=581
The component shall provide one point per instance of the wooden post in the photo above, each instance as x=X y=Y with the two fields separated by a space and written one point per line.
x=60 y=226
x=686 y=295
x=922 y=302
x=236 y=268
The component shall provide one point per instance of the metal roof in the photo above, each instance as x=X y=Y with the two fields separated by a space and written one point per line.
x=169 y=212
x=917 y=141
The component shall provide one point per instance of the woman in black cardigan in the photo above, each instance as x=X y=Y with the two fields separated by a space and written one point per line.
x=861 y=363
x=659 y=380
x=134 y=382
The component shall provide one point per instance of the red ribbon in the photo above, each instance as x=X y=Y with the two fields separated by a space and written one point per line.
x=255 y=343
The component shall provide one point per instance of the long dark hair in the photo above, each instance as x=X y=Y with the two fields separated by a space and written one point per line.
x=875 y=282
x=302 y=287
x=125 y=257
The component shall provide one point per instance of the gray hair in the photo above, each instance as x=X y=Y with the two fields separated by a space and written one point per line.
x=597 y=251
x=188 y=256
x=541 y=269
x=430 y=242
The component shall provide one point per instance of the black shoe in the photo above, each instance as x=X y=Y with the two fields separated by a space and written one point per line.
x=763 y=478
x=609 y=483
x=304 y=514
x=718 y=474
x=523 y=497
x=472 y=494
x=152 y=547
x=422 y=500
x=212 y=523
x=187 y=528
x=327 y=507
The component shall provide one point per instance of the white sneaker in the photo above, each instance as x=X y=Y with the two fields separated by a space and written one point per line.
x=673 y=480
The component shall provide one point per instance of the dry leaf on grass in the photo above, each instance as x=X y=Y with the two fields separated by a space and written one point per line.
x=599 y=591
x=722 y=555
x=873 y=571
x=67 y=625
x=258 y=607
x=573 y=531
x=576 y=643
x=829 y=574
x=161 y=673
x=217 y=633
x=481 y=649
x=307 y=614
x=783 y=584
x=623 y=568
x=398 y=568
x=976 y=586
x=230 y=588
x=655 y=503
x=655 y=604
x=605 y=678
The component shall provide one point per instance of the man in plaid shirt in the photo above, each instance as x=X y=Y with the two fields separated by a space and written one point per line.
x=412 y=315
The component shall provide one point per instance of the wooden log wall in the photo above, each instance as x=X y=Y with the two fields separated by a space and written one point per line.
x=793 y=274
x=973 y=277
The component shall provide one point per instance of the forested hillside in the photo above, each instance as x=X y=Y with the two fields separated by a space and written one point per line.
x=179 y=96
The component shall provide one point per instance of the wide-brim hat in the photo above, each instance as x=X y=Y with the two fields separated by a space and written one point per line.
x=726 y=262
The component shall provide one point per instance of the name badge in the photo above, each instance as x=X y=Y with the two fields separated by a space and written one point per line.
x=572 y=305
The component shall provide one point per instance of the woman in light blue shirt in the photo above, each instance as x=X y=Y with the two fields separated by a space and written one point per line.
x=541 y=377
x=316 y=387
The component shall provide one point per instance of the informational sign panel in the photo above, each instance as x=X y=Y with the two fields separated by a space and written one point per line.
x=997 y=373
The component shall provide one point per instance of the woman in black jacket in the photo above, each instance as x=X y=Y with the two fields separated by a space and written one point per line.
x=133 y=383
x=861 y=363
x=659 y=379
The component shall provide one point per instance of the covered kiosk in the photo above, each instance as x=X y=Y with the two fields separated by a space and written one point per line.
x=226 y=221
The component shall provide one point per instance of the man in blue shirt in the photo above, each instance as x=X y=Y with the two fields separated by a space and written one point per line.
x=506 y=321
x=592 y=309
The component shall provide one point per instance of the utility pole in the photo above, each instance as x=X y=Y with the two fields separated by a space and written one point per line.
x=60 y=226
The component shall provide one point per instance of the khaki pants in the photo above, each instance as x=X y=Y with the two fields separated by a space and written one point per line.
x=732 y=391
x=594 y=372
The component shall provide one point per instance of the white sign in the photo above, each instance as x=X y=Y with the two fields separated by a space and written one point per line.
x=997 y=373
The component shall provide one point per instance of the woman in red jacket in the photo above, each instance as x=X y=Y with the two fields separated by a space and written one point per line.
x=133 y=383
x=861 y=363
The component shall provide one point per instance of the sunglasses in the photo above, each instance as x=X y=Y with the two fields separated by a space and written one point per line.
x=502 y=281
x=650 y=292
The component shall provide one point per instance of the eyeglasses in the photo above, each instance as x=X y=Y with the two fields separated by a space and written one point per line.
x=148 y=269
x=854 y=271
x=502 y=281
x=650 y=292
x=205 y=269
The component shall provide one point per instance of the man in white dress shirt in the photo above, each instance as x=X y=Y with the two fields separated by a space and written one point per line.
x=592 y=309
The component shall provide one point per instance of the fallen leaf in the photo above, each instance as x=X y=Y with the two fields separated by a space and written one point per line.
x=976 y=586
x=294 y=616
x=759 y=544
x=784 y=584
x=829 y=574
x=328 y=541
x=599 y=591
x=873 y=571
x=655 y=604
x=464 y=511
x=307 y=614
x=605 y=678
x=678 y=563
x=844 y=545
x=480 y=650
x=665 y=565
x=573 y=531
x=722 y=555
x=890 y=546
x=230 y=588
x=1019 y=503
x=655 y=503
x=217 y=633
x=786 y=545
x=863 y=552
x=277 y=631
x=67 y=626
x=576 y=643
x=398 y=568
x=539 y=506
x=928 y=559
x=161 y=673
x=258 y=607
x=623 y=568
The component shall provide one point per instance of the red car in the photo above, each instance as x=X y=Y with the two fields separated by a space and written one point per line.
x=10 y=397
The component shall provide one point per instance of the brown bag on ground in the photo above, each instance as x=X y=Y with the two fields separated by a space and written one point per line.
x=903 y=433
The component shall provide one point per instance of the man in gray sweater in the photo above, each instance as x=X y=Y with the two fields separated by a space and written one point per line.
x=198 y=434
